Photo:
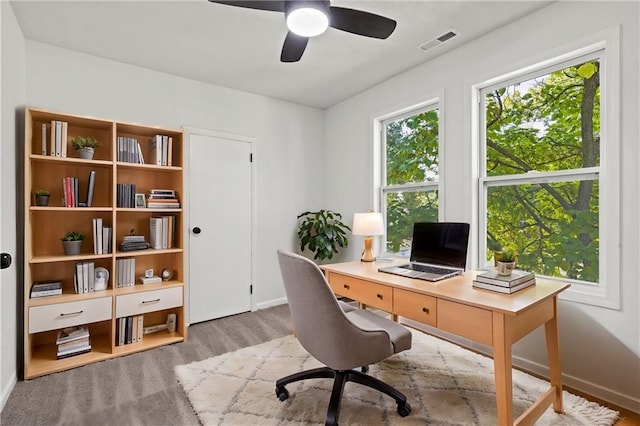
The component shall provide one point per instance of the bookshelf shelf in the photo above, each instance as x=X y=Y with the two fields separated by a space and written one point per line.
x=45 y=225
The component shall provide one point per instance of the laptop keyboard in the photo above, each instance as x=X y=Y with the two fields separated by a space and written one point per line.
x=429 y=269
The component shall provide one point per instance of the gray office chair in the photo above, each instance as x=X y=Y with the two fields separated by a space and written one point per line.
x=339 y=336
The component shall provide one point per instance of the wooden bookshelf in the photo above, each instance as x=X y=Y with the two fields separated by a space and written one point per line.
x=45 y=260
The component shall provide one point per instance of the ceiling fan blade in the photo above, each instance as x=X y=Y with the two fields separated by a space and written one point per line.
x=293 y=47
x=275 y=5
x=361 y=23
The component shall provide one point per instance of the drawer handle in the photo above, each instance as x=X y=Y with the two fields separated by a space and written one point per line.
x=144 y=302
x=379 y=296
x=70 y=314
x=425 y=310
x=346 y=286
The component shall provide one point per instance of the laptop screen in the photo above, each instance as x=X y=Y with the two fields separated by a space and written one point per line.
x=440 y=243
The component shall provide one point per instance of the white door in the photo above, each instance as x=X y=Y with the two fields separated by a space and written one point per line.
x=220 y=222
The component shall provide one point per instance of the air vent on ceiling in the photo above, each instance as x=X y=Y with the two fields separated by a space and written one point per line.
x=430 y=44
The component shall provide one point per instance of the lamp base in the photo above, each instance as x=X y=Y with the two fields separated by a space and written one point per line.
x=367 y=254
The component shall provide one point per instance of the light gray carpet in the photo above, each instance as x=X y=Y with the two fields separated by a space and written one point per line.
x=444 y=383
x=139 y=389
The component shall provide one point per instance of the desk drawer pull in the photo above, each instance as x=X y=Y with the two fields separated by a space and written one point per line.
x=346 y=286
x=379 y=296
x=144 y=302
x=71 y=313
x=425 y=310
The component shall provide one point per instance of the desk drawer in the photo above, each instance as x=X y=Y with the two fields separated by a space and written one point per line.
x=371 y=294
x=416 y=306
x=61 y=315
x=148 y=301
x=466 y=321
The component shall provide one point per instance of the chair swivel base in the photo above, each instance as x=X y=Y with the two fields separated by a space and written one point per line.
x=340 y=378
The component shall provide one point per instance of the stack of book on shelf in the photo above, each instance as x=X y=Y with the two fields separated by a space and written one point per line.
x=46 y=288
x=129 y=329
x=162 y=231
x=73 y=341
x=126 y=195
x=161 y=150
x=58 y=138
x=518 y=280
x=125 y=272
x=71 y=191
x=84 y=277
x=162 y=199
x=134 y=242
x=129 y=150
x=101 y=237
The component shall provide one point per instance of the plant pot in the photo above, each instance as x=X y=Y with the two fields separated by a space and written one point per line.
x=42 y=200
x=505 y=268
x=72 y=248
x=85 y=153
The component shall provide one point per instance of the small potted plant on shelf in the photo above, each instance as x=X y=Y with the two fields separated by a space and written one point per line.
x=85 y=145
x=323 y=233
x=42 y=197
x=506 y=262
x=71 y=243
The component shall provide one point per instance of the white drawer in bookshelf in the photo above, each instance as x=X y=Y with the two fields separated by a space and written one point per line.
x=148 y=301
x=61 y=315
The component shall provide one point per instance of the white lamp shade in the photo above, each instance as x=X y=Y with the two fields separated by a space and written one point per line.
x=307 y=21
x=367 y=224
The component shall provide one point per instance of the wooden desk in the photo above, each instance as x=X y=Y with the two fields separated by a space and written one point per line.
x=453 y=305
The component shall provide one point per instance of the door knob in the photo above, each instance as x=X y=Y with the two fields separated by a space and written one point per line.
x=5 y=260
x=196 y=230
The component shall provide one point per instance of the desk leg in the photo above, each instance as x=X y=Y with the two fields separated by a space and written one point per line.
x=502 y=368
x=553 y=354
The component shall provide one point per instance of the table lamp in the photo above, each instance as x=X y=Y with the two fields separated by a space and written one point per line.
x=368 y=224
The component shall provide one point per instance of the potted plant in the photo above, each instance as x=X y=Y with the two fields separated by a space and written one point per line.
x=85 y=146
x=71 y=243
x=322 y=232
x=506 y=262
x=42 y=197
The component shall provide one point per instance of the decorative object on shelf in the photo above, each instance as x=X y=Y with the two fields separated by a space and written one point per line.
x=368 y=224
x=167 y=274
x=101 y=281
x=42 y=197
x=72 y=242
x=323 y=233
x=506 y=263
x=141 y=202
x=85 y=146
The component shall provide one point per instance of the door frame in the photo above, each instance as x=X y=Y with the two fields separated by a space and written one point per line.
x=190 y=130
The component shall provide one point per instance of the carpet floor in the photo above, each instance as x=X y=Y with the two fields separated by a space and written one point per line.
x=444 y=383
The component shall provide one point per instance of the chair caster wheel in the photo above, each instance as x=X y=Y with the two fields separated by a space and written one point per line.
x=364 y=369
x=404 y=410
x=282 y=394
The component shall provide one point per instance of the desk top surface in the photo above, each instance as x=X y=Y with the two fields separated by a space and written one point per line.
x=456 y=289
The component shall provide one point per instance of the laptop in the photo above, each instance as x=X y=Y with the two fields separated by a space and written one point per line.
x=438 y=251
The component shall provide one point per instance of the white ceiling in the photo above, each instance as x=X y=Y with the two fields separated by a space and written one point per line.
x=240 y=48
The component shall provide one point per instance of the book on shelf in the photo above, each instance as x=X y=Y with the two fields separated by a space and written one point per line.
x=90 y=187
x=45 y=293
x=74 y=353
x=69 y=334
x=58 y=138
x=150 y=280
x=63 y=139
x=504 y=289
x=517 y=277
x=84 y=277
x=129 y=329
x=44 y=139
x=125 y=272
x=46 y=288
x=71 y=345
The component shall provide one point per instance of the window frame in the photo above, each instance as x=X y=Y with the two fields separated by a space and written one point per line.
x=604 y=46
x=380 y=160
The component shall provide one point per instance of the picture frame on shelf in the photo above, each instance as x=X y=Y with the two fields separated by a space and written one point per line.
x=141 y=202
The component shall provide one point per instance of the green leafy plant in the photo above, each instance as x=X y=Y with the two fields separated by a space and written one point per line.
x=40 y=192
x=84 y=142
x=507 y=256
x=323 y=233
x=72 y=236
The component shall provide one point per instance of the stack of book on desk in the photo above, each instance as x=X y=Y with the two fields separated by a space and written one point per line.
x=518 y=280
x=73 y=341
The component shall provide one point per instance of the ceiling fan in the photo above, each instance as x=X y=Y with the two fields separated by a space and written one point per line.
x=309 y=18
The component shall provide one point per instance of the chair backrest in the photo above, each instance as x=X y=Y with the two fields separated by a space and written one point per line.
x=320 y=323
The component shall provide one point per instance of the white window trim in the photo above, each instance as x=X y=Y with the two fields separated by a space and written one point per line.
x=607 y=292
x=379 y=157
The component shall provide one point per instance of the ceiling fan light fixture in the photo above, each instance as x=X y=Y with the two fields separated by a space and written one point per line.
x=309 y=19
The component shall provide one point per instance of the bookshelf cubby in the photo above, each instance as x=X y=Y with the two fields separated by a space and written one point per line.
x=44 y=259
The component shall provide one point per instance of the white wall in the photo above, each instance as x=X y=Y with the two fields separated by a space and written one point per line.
x=13 y=95
x=600 y=347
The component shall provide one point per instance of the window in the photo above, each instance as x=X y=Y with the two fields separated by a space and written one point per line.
x=543 y=182
x=410 y=175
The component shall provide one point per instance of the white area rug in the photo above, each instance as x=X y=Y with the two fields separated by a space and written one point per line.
x=445 y=385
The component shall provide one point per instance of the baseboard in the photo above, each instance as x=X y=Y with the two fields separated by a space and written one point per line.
x=7 y=389
x=271 y=303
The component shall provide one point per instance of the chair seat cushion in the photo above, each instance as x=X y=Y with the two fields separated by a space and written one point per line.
x=400 y=336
